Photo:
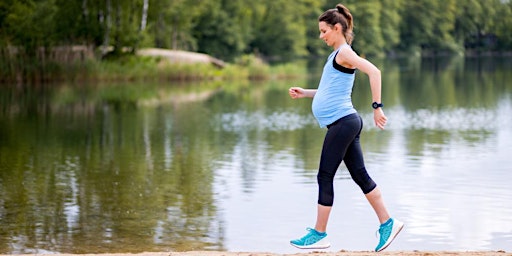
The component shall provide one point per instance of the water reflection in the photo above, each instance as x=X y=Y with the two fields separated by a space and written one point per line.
x=277 y=121
x=216 y=166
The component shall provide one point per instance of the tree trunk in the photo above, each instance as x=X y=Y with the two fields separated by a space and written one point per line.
x=85 y=11
x=108 y=24
x=174 y=39
x=143 y=23
x=144 y=18
x=85 y=17
x=118 y=29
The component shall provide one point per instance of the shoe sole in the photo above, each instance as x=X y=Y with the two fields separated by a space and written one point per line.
x=313 y=246
x=392 y=238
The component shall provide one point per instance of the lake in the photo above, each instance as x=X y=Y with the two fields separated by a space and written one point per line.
x=232 y=165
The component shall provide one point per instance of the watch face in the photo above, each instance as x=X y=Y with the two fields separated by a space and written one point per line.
x=375 y=105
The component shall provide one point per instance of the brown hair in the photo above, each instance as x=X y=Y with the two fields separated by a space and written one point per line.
x=340 y=15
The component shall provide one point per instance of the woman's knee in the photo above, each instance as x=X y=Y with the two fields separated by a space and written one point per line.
x=363 y=180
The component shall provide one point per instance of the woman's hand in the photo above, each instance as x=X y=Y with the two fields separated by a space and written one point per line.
x=296 y=92
x=379 y=118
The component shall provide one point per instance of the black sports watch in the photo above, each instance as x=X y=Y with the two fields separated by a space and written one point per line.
x=376 y=105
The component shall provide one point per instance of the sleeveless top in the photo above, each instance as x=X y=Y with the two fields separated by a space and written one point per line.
x=333 y=99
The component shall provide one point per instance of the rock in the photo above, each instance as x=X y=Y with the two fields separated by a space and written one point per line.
x=177 y=56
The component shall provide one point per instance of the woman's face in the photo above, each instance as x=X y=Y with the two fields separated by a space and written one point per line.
x=329 y=34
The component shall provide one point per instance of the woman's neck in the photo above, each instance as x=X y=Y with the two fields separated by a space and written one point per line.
x=339 y=43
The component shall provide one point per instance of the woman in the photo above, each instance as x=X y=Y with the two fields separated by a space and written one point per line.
x=332 y=107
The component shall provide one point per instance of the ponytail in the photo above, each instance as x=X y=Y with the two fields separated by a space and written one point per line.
x=348 y=30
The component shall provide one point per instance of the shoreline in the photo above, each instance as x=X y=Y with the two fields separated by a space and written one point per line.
x=308 y=253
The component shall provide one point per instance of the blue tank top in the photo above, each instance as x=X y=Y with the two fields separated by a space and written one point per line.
x=333 y=99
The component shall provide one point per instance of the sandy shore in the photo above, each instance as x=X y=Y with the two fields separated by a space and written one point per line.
x=340 y=253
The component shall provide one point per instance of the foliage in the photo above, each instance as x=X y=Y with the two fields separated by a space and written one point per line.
x=273 y=30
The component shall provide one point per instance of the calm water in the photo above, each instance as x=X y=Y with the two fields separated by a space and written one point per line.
x=232 y=166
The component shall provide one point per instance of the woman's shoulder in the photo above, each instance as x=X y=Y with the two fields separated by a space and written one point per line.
x=342 y=59
x=339 y=50
x=346 y=50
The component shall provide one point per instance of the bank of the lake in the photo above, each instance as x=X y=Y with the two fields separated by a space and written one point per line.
x=313 y=253
x=80 y=64
x=75 y=64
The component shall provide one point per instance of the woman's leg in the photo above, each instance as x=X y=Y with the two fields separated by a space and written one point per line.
x=377 y=203
x=355 y=163
x=337 y=140
x=375 y=200
x=389 y=227
x=322 y=217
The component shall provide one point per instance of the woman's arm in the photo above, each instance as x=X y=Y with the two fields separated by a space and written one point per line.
x=350 y=59
x=298 y=92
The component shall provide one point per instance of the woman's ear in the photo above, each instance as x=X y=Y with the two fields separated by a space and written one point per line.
x=338 y=27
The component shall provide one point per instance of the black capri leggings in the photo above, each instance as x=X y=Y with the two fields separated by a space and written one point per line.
x=342 y=143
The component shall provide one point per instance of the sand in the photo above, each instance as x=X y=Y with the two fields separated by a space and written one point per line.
x=340 y=253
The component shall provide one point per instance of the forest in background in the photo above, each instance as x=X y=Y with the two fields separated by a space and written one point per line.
x=273 y=30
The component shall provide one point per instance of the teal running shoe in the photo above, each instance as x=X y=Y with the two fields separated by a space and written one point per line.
x=388 y=232
x=312 y=240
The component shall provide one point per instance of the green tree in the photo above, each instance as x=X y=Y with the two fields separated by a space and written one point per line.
x=503 y=26
x=72 y=24
x=314 y=45
x=368 y=38
x=123 y=19
x=281 y=33
x=224 y=31
x=170 y=23
x=390 y=20
x=30 y=24
x=468 y=21
x=444 y=19
x=428 y=25
x=274 y=29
